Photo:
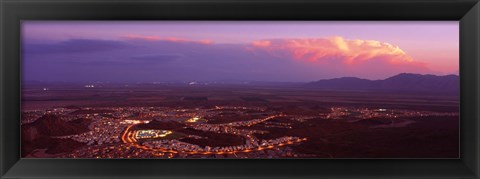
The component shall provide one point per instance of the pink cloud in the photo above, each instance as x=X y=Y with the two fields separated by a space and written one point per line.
x=366 y=58
x=170 y=39
x=337 y=48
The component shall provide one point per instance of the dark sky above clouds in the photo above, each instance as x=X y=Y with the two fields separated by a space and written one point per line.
x=157 y=51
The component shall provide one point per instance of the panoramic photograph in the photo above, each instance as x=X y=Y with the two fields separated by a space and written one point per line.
x=240 y=89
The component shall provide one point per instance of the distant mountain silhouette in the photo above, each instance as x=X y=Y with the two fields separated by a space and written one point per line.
x=401 y=82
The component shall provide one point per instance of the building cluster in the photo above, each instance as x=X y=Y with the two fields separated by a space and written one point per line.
x=151 y=133
x=110 y=125
x=125 y=151
x=184 y=147
x=278 y=125
x=102 y=132
x=368 y=113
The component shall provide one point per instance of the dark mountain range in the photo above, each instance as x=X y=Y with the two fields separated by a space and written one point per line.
x=402 y=82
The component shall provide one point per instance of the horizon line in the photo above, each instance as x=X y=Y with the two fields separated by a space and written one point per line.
x=224 y=80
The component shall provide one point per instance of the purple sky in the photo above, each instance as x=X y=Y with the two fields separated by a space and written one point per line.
x=149 y=51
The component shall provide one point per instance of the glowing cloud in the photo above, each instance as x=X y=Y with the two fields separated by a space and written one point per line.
x=336 y=48
x=261 y=43
x=170 y=39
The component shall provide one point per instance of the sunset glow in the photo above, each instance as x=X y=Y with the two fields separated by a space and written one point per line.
x=170 y=39
x=348 y=51
x=270 y=51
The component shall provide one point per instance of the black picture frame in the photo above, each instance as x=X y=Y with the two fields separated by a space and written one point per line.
x=12 y=12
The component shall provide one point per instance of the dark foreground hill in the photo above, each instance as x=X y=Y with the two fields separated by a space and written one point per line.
x=52 y=125
x=42 y=133
x=402 y=82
